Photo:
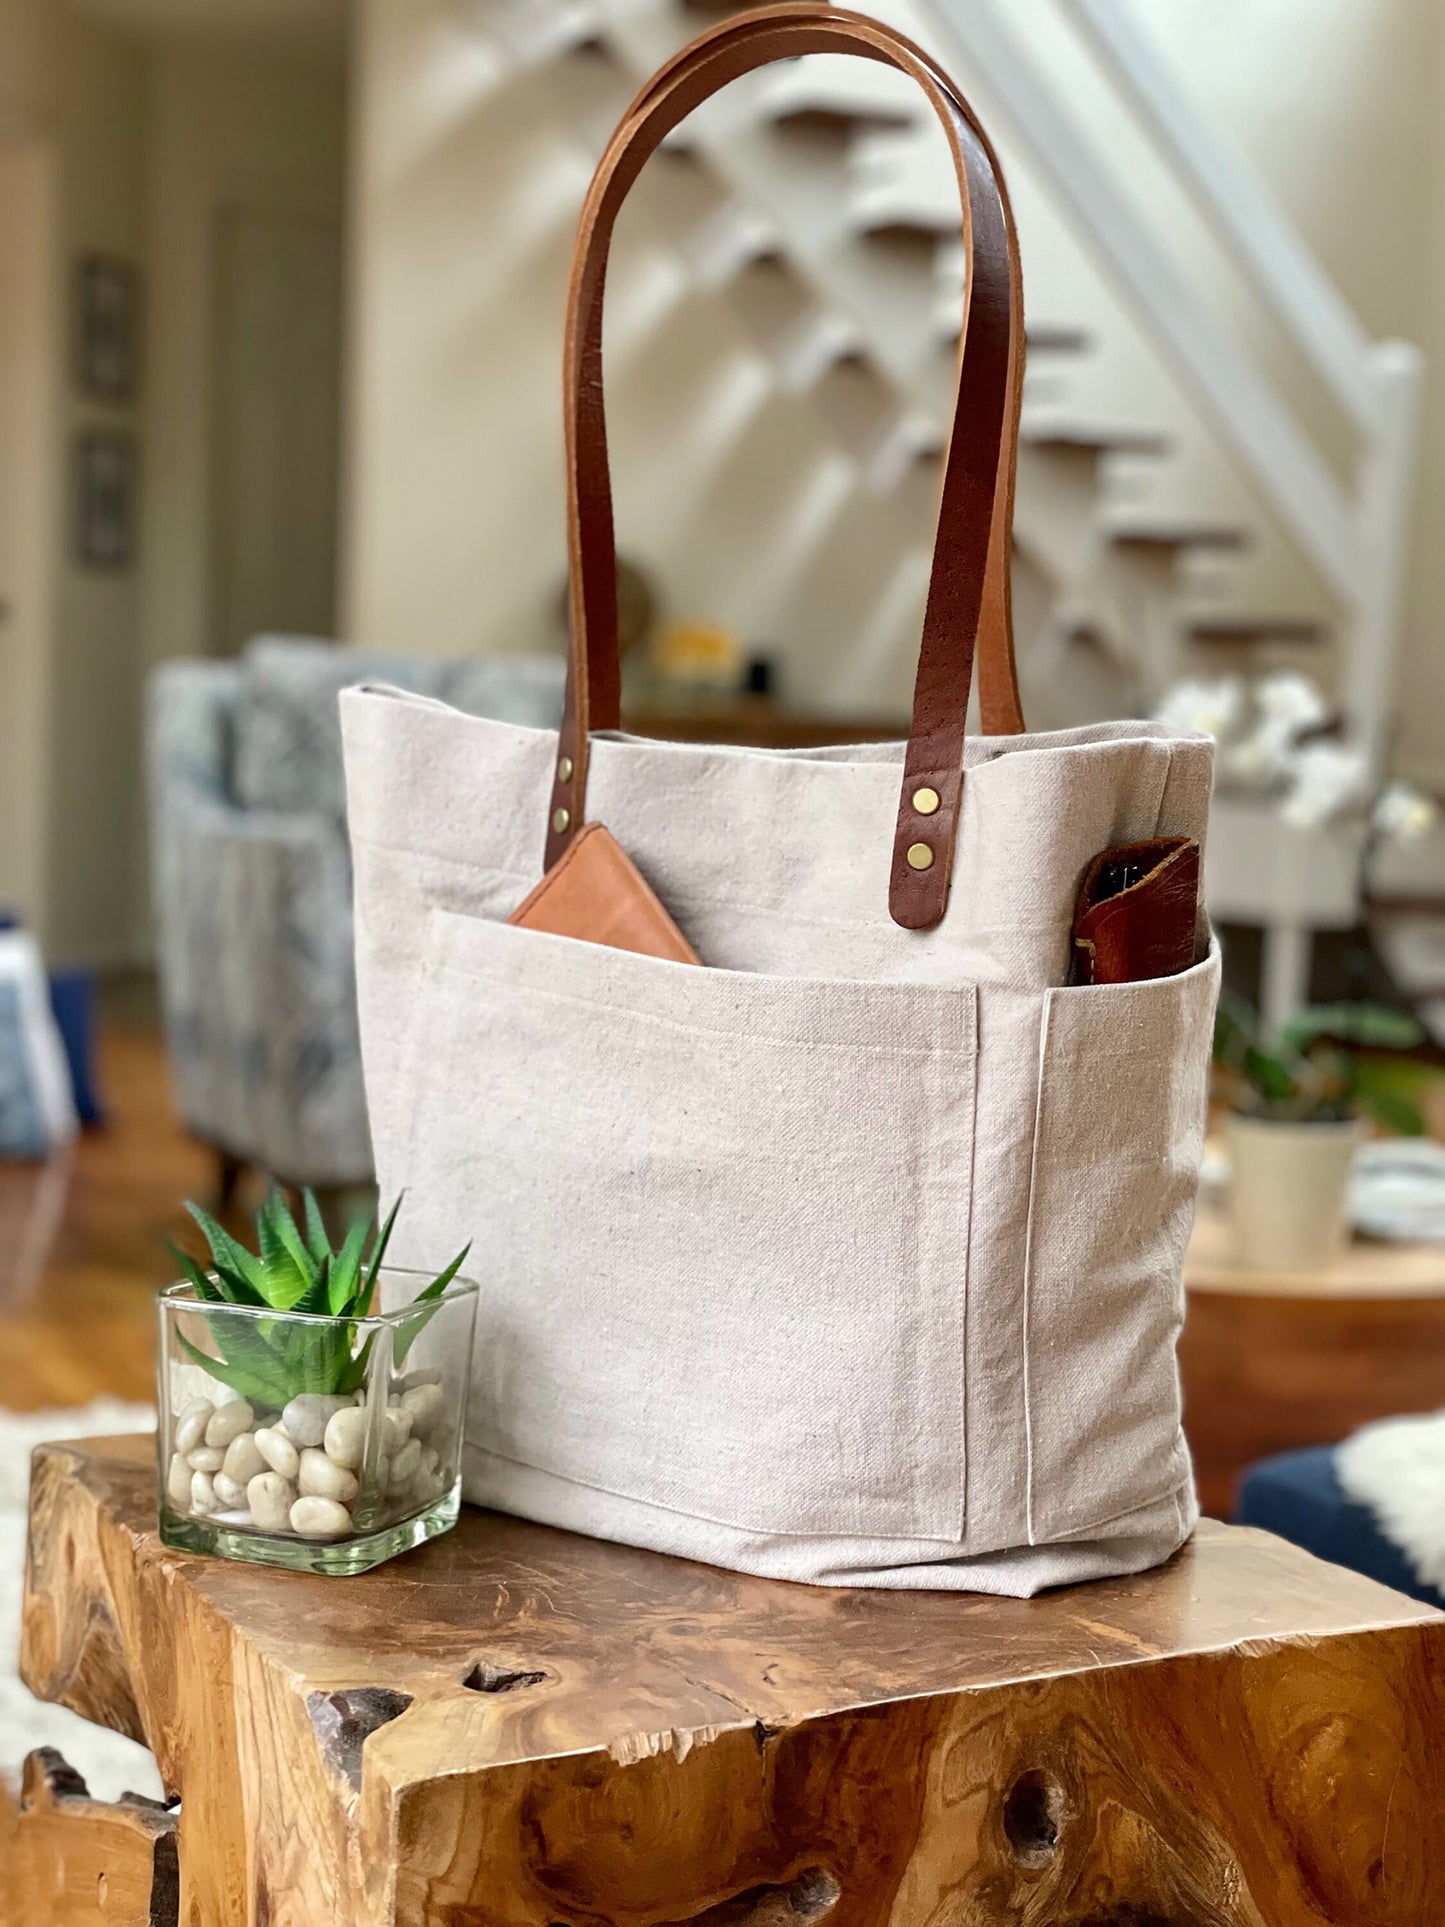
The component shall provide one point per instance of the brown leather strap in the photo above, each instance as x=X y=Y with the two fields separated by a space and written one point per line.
x=968 y=593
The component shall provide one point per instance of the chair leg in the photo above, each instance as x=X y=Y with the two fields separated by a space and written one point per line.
x=229 y=1173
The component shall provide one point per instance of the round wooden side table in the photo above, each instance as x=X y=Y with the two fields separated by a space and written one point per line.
x=1271 y=1361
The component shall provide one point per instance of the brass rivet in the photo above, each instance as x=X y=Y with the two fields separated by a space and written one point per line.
x=564 y=770
x=920 y=857
x=561 y=819
x=926 y=801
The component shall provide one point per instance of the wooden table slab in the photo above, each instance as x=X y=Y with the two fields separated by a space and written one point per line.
x=515 y=1727
x=69 y=1861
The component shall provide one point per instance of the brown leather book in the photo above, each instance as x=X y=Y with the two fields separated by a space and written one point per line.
x=596 y=893
x=1138 y=912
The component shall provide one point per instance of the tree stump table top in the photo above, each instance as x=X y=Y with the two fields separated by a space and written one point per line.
x=516 y=1727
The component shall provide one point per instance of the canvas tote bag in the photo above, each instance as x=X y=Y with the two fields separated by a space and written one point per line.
x=854 y=1255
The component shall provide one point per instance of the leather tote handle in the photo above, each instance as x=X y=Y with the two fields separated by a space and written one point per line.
x=968 y=594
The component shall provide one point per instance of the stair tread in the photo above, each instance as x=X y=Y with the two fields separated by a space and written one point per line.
x=906 y=224
x=836 y=118
x=1256 y=629
x=1056 y=338
x=1100 y=440
x=1182 y=535
x=1040 y=337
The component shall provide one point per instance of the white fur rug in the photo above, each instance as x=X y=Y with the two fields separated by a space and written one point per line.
x=110 y=1764
x=1397 y=1469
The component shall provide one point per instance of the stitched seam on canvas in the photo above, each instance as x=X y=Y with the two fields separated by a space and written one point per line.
x=964 y=1373
x=711 y=1518
x=1028 y=1386
x=1172 y=1490
x=684 y=906
x=965 y=1053
x=1173 y=1493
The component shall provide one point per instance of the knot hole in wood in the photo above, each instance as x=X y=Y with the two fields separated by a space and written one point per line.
x=1033 y=1818
x=810 y=1896
x=489 y=1676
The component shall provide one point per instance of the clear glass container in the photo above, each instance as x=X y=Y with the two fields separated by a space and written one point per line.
x=322 y=1444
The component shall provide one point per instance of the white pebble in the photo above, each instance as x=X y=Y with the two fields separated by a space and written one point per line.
x=395 y=1430
x=270 y=1498
x=346 y=1437
x=322 y=1478
x=206 y=1458
x=410 y=1380
x=178 y=1481
x=230 y=1492
x=427 y=1468
x=428 y=1491
x=229 y=1422
x=234 y=1516
x=278 y=1451
x=305 y=1418
x=404 y=1465
x=191 y=1422
x=243 y=1459
x=203 y=1492
x=316 y=1518
x=427 y=1405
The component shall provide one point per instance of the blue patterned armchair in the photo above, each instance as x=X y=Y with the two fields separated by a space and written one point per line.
x=252 y=883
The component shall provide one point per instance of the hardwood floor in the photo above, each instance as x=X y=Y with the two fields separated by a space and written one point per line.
x=83 y=1240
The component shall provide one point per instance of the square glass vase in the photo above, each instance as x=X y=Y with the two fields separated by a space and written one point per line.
x=320 y=1444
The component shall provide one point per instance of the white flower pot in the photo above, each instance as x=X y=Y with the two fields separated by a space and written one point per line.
x=1288 y=1191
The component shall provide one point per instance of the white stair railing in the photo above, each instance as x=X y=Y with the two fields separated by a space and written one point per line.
x=1354 y=532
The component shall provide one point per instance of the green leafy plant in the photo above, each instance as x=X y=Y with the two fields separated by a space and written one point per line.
x=1325 y=1066
x=272 y=1360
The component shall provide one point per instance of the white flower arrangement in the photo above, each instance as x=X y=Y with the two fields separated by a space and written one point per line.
x=1269 y=739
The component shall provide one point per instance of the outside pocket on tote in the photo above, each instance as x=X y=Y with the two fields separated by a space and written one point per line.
x=722 y=1226
x=1123 y=1084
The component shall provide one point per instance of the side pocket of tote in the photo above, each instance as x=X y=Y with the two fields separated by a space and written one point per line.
x=1119 y=1133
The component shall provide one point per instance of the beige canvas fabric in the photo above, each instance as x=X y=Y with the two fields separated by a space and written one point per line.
x=853 y=1257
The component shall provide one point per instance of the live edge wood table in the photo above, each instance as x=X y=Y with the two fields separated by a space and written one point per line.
x=515 y=1728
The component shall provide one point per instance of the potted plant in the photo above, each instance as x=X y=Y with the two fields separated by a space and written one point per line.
x=301 y=1425
x=1298 y=1101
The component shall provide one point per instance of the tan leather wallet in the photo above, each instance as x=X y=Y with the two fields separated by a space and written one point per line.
x=596 y=893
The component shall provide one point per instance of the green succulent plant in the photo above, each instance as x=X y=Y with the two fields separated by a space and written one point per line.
x=1312 y=1070
x=270 y=1361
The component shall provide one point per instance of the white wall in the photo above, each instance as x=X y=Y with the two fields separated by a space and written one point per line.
x=71 y=92
x=231 y=131
x=148 y=145
x=94 y=741
x=464 y=195
x=29 y=375
x=467 y=177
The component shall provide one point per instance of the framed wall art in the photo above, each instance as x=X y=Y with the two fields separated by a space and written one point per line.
x=107 y=466
x=108 y=328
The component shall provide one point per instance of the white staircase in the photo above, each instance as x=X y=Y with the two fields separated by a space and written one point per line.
x=813 y=206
